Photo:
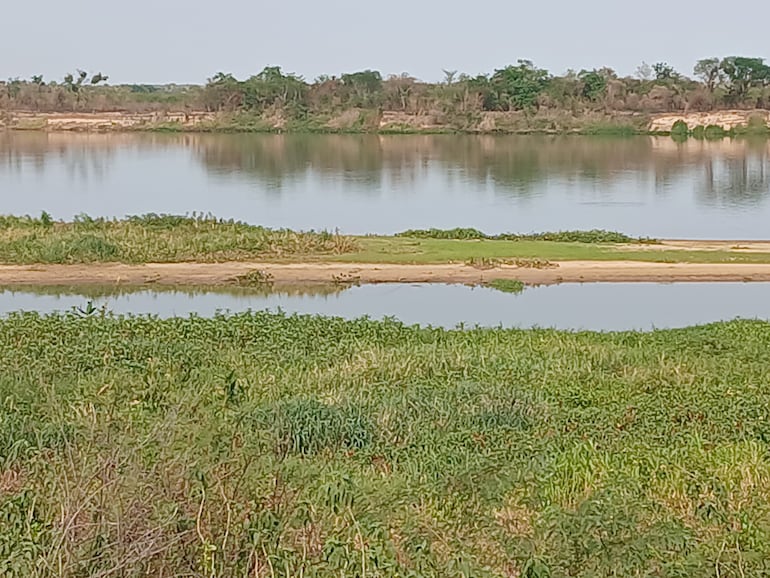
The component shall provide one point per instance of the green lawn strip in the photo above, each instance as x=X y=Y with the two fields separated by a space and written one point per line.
x=424 y=251
x=324 y=447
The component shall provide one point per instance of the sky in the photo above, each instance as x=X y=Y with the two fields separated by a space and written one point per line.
x=188 y=41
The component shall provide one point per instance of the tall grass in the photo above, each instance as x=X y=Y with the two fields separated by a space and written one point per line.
x=269 y=445
x=155 y=238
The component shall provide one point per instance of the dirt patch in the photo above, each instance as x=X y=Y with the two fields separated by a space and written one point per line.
x=727 y=119
x=731 y=246
x=104 y=121
x=324 y=273
x=11 y=482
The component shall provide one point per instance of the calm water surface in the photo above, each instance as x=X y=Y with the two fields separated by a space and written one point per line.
x=570 y=306
x=383 y=184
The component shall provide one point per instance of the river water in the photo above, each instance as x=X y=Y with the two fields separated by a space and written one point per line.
x=647 y=186
x=591 y=306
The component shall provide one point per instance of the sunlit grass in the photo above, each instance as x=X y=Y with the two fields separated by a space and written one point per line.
x=263 y=444
x=156 y=238
x=170 y=239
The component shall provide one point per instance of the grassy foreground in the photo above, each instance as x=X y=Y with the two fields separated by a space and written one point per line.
x=172 y=239
x=267 y=445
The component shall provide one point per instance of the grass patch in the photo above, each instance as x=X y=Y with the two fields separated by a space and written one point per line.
x=428 y=250
x=507 y=285
x=324 y=447
x=156 y=238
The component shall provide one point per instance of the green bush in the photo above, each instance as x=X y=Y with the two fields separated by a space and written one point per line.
x=680 y=128
x=699 y=132
x=714 y=132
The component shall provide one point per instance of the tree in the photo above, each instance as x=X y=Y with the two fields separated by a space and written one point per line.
x=75 y=85
x=519 y=86
x=398 y=90
x=273 y=87
x=708 y=70
x=222 y=91
x=742 y=73
x=594 y=84
x=98 y=78
x=664 y=72
x=366 y=86
x=644 y=72
x=449 y=76
x=13 y=87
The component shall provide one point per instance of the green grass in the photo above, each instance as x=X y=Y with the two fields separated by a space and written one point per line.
x=410 y=250
x=507 y=285
x=268 y=445
x=156 y=238
x=170 y=238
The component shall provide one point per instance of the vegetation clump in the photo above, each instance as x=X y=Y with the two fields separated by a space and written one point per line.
x=592 y=236
x=230 y=445
x=156 y=238
x=255 y=278
x=507 y=285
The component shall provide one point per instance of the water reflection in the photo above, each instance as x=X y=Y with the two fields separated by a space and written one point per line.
x=591 y=306
x=380 y=184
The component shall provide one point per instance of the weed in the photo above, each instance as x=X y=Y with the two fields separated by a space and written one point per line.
x=255 y=278
x=507 y=285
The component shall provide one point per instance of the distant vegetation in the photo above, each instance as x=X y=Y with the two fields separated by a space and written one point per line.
x=283 y=446
x=592 y=236
x=355 y=101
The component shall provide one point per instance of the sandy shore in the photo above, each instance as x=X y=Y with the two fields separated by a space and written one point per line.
x=312 y=273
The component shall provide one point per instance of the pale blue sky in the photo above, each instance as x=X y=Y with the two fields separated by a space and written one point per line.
x=157 y=41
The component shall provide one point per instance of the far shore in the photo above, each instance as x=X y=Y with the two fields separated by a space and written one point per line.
x=386 y=122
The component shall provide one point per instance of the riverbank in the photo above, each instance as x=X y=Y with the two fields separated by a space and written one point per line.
x=153 y=238
x=263 y=274
x=171 y=250
x=388 y=122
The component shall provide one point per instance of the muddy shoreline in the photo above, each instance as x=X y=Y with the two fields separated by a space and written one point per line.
x=228 y=274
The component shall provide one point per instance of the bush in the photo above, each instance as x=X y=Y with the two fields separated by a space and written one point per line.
x=699 y=132
x=714 y=132
x=680 y=128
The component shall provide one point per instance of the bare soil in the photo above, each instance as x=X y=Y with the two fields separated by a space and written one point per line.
x=699 y=245
x=325 y=273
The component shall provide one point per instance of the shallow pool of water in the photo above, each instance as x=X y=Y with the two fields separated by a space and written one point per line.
x=592 y=306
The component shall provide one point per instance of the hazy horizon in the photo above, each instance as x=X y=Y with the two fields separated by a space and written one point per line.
x=180 y=42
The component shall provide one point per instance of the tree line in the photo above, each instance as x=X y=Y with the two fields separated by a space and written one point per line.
x=729 y=82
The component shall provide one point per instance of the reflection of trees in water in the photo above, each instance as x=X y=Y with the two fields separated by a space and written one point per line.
x=83 y=157
x=518 y=165
x=278 y=160
x=737 y=180
x=727 y=171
